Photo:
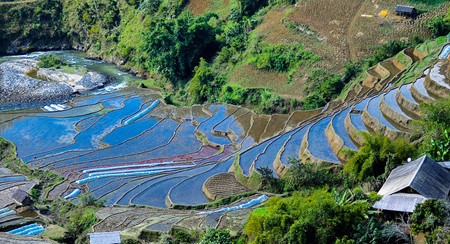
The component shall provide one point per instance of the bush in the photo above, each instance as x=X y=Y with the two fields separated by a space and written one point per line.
x=430 y=215
x=305 y=175
x=50 y=61
x=434 y=128
x=439 y=26
x=280 y=57
x=305 y=218
x=377 y=157
x=213 y=236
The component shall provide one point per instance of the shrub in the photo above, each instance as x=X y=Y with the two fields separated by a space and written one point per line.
x=377 y=157
x=434 y=128
x=428 y=216
x=306 y=175
x=213 y=236
x=50 y=61
x=280 y=57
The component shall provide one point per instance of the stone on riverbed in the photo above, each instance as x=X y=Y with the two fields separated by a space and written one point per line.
x=22 y=81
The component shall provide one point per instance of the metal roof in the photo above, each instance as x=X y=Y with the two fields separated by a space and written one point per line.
x=399 y=202
x=105 y=237
x=404 y=9
x=445 y=164
x=423 y=175
x=20 y=196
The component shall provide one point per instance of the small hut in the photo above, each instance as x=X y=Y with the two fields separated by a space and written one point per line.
x=22 y=198
x=406 y=11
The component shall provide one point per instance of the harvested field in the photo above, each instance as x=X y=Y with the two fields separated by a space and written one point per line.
x=222 y=185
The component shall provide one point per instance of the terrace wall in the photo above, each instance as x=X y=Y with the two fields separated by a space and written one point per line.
x=410 y=108
x=393 y=115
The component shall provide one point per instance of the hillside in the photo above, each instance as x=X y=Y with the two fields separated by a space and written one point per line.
x=251 y=48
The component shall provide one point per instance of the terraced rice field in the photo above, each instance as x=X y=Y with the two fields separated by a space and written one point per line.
x=125 y=147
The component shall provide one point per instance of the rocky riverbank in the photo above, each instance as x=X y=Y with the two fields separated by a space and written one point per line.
x=23 y=82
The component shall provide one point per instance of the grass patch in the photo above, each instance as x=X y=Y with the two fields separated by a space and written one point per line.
x=74 y=70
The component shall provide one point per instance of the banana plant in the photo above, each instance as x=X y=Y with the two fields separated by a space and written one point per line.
x=440 y=149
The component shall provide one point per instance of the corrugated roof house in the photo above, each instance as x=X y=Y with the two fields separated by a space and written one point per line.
x=445 y=164
x=404 y=10
x=22 y=198
x=105 y=237
x=413 y=183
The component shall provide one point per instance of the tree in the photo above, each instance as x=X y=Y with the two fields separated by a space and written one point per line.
x=377 y=157
x=175 y=46
x=439 y=26
x=269 y=182
x=306 y=175
x=313 y=217
x=202 y=84
x=434 y=128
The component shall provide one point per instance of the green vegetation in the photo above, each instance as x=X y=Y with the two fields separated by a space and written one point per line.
x=50 y=61
x=429 y=215
x=434 y=128
x=318 y=217
x=377 y=157
x=280 y=58
x=76 y=219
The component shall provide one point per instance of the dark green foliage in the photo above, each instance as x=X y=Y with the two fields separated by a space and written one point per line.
x=440 y=149
x=92 y=23
x=205 y=85
x=439 y=26
x=373 y=231
x=269 y=182
x=313 y=101
x=249 y=7
x=31 y=26
x=280 y=58
x=377 y=157
x=429 y=2
x=261 y=100
x=323 y=88
x=305 y=175
x=80 y=220
x=213 y=236
x=386 y=51
x=176 y=45
x=130 y=241
x=441 y=235
x=429 y=215
x=50 y=61
x=87 y=200
x=149 y=236
x=178 y=235
x=434 y=128
x=305 y=218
